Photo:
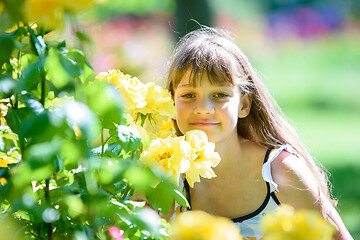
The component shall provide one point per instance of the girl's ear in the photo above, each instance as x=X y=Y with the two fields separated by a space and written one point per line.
x=245 y=105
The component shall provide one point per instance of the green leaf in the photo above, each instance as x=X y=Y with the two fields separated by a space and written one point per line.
x=147 y=219
x=34 y=105
x=180 y=198
x=39 y=127
x=24 y=174
x=56 y=45
x=108 y=173
x=73 y=62
x=79 y=114
x=75 y=205
x=41 y=154
x=37 y=43
x=129 y=138
x=15 y=117
x=6 y=46
x=26 y=59
x=7 y=86
x=71 y=152
x=141 y=178
x=30 y=77
x=161 y=197
x=55 y=71
x=87 y=71
x=83 y=36
x=34 y=126
x=110 y=188
x=106 y=102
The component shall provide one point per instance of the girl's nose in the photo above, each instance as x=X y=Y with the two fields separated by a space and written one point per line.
x=204 y=106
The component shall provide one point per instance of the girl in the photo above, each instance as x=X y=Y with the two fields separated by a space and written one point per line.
x=263 y=163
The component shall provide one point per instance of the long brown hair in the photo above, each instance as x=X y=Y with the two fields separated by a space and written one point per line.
x=213 y=52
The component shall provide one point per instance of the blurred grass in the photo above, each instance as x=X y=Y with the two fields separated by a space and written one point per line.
x=317 y=84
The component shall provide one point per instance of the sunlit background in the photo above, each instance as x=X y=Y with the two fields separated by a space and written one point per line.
x=307 y=53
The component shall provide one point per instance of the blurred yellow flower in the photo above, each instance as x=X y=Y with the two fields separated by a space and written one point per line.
x=171 y=155
x=6 y=160
x=47 y=13
x=287 y=223
x=203 y=157
x=3 y=111
x=1 y=7
x=3 y=181
x=199 y=225
x=75 y=6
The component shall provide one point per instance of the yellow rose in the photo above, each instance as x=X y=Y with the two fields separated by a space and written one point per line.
x=159 y=102
x=166 y=129
x=203 y=157
x=159 y=107
x=143 y=101
x=287 y=223
x=115 y=77
x=132 y=90
x=171 y=155
x=199 y=225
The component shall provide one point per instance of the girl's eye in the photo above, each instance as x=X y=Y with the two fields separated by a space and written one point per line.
x=220 y=95
x=188 y=95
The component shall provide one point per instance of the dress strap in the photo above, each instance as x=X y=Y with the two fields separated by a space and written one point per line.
x=257 y=211
x=269 y=157
x=268 y=151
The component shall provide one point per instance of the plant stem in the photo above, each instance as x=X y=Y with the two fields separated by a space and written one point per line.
x=47 y=198
x=102 y=141
x=43 y=82
x=109 y=138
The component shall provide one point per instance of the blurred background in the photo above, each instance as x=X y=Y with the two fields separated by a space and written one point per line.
x=306 y=51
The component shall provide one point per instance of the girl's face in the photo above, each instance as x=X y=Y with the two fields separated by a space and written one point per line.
x=212 y=108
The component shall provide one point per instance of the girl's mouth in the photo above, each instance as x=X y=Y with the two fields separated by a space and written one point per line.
x=204 y=123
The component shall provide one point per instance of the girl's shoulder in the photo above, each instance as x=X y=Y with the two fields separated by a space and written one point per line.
x=296 y=183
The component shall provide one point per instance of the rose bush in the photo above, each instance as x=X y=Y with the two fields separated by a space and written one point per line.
x=69 y=145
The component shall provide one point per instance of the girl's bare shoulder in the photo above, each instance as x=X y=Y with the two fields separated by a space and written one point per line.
x=296 y=183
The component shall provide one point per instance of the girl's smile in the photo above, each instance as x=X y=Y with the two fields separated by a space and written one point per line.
x=211 y=107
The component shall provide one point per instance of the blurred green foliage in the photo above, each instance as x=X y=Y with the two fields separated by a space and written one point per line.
x=61 y=176
x=316 y=83
x=114 y=8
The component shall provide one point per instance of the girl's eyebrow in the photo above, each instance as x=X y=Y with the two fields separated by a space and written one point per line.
x=185 y=85
x=216 y=85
